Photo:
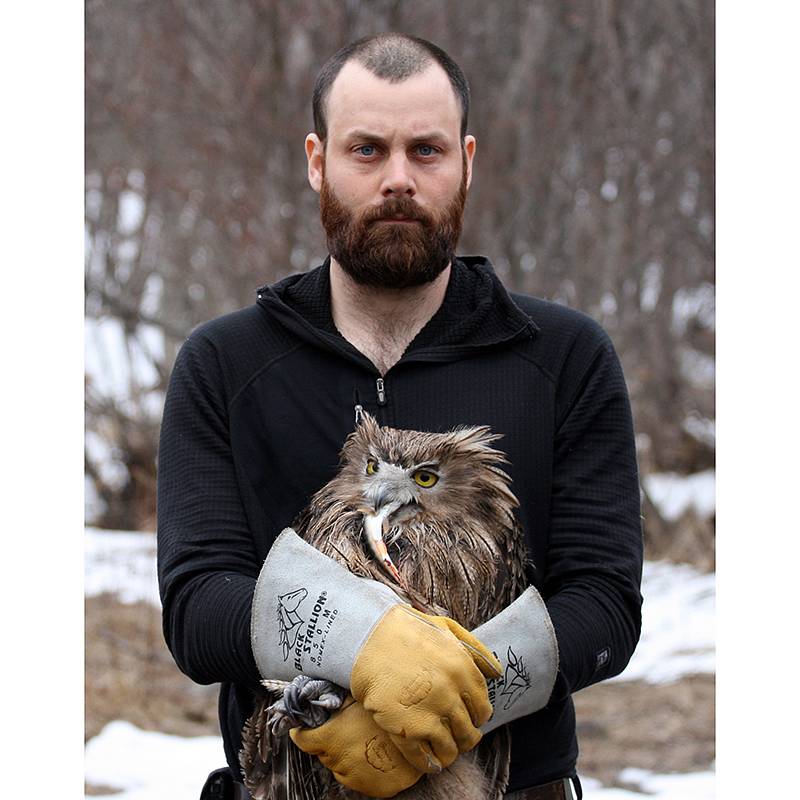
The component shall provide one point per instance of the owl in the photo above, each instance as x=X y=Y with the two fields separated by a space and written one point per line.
x=432 y=516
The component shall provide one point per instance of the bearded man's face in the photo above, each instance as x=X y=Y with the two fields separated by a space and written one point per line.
x=396 y=244
x=392 y=173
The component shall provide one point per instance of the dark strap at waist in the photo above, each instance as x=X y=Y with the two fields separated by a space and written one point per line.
x=556 y=790
x=221 y=785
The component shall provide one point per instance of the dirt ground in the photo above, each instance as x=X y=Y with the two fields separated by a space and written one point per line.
x=130 y=675
x=667 y=728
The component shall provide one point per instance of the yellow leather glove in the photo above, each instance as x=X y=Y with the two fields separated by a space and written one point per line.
x=358 y=752
x=424 y=680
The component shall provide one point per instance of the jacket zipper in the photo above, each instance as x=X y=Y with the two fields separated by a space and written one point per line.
x=357 y=407
x=380 y=386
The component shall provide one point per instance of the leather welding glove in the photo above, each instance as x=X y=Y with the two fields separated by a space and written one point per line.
x=358 y=752
x=422 y=677
x=424 y=680
x=523 y=638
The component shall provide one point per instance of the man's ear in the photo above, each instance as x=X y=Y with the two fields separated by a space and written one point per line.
x=315 y=153
x=470 y=143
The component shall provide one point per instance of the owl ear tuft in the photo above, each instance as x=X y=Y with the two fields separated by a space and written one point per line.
x=366 y=431
x=366 y=417
x=367 y=424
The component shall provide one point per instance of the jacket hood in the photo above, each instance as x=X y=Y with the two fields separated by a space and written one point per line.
x=477 y=312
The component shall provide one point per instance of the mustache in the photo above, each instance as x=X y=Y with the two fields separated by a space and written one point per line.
x=402 y=206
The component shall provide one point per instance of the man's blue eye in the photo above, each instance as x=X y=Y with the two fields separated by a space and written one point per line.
x=366 y=150
x=425 y=150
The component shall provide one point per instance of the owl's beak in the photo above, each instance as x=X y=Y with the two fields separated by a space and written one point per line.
x=387 y=502
x=389 y=491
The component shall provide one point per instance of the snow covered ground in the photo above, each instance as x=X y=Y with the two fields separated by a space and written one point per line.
x=679 y=786
x=677 y=624
x=152 y=766
x=677 y=639
x=675 y=494
x=121 y=563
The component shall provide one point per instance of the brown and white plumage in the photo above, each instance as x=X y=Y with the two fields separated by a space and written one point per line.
x=443 y=504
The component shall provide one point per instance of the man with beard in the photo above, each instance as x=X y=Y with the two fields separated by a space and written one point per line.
x=394 y=323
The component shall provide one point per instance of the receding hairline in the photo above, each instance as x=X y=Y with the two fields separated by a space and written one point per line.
x=353 y=70
x=393 y=57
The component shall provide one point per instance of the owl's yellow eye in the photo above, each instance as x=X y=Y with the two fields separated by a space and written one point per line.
x=425 y=479
x=372 y=466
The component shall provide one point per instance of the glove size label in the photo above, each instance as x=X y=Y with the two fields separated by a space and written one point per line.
x=298 y=637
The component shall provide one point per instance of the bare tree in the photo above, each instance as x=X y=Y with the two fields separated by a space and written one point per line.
x=594 y=186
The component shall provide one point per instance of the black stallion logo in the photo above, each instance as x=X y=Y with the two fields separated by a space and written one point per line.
x=289 y=620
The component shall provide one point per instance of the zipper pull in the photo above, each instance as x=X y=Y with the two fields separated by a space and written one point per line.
x=381 y=387
x=357 y=407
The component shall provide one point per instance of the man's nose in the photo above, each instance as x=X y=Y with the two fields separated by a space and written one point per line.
x=399 y=178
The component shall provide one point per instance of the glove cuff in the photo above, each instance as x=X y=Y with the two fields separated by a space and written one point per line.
x=310 y=615
x=523 y=639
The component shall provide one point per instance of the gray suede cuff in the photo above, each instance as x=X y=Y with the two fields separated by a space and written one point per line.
x=522 y=637
x=310 y=615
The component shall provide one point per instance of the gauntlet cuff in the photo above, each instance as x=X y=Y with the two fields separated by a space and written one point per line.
x=522 y=637
x=310 y=615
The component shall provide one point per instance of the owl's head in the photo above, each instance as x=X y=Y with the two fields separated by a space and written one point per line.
x=410 y=473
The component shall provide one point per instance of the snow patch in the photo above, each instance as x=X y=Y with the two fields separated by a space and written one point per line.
x=116 y=365
x=678 y=630
x=702 y=429
x=609 y=191
x=697 y=367
x=675 y=786
x=131 y=212
x=651 y=286
x=122 y=563
x=674 y=494
x=693 y=303
x=147 y=765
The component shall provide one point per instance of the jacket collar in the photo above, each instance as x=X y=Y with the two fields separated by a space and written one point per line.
x=476 y=312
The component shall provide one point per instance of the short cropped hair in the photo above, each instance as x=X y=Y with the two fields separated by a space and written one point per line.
x=392 y=57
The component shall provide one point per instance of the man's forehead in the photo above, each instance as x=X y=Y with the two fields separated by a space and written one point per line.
x=359 y=99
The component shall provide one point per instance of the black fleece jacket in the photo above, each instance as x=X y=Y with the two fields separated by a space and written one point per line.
x=260 y=402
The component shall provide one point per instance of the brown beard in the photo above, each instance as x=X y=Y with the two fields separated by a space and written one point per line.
x=389 y=255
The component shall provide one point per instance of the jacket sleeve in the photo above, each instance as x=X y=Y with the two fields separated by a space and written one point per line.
x=595 y=549
x=207 y=566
